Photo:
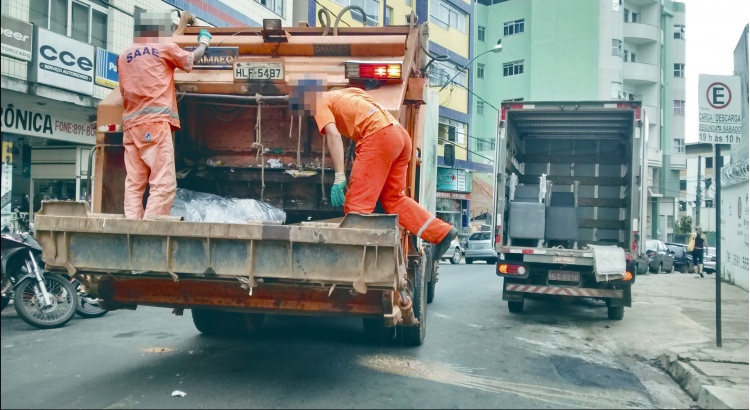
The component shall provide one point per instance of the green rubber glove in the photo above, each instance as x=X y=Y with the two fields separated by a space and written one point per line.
x=204 y=37
x=338 y=189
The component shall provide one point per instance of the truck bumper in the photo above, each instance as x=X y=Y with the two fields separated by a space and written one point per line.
x=561 y=291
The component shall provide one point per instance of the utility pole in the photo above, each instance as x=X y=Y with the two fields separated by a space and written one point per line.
x=698 y=185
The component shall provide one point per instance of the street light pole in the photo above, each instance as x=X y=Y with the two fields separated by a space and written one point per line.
x=495 y=49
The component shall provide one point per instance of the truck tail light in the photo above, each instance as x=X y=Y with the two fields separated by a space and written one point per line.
x=510 y=269
x=375 y=71
x=628 y=276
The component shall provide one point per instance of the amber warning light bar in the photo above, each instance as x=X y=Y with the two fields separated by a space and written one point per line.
x=376 y=70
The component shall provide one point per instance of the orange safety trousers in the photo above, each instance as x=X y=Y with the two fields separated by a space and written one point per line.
x=379 y=172
x=149 y=159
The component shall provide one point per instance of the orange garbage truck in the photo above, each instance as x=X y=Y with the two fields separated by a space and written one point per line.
x=239 y=141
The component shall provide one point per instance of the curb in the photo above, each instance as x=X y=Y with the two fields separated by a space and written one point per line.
x=700 y=387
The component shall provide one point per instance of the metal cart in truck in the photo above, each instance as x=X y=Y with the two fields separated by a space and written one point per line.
x=569 y=189
x=239 y=140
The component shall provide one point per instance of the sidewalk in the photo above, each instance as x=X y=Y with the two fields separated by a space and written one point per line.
x=683 y=309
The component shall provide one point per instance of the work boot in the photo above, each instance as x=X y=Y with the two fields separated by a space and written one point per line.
x=443 y=246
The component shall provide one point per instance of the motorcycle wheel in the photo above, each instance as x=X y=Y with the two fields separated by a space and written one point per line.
x=88 y=306
x=30 y=309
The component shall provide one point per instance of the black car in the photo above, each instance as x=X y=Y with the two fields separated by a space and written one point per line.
x=683 y=261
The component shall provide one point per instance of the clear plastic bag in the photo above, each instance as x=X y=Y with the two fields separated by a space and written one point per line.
x=202 y=207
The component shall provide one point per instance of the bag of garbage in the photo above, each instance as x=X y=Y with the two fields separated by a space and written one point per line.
x=203 y=207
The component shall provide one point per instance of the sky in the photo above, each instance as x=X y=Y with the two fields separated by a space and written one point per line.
x=712 y=30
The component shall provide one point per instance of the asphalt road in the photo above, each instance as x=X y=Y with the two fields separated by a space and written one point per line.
x=476 y=355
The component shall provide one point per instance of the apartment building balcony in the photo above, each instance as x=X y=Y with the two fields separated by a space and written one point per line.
x=678 y=161
x=652 y=113
x=640 y=73
x=640 y=33
x=655 y=157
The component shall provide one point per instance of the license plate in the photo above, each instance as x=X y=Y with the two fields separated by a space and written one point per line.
x=258 y=71
x=564 y=276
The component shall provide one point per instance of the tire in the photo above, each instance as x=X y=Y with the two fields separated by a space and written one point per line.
x=88 y=307
x=376 y=332
x=222 y=323
x=658 y=270
x=616 y=313
x=64 y=302
x=456 y=258
x=414 y=336
x=469 y=261
x=515 y=307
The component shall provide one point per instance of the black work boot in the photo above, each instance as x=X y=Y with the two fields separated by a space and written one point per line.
x=445 y=244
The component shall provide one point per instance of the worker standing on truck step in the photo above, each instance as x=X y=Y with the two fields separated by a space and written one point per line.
x=146 y=74
x=383 y=152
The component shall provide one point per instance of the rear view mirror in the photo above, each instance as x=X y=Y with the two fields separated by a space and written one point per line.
x=449 y=155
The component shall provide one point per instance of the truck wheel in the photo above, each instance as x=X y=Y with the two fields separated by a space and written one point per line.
x=220 y=323
x=616 y=313
x=414 y=336
x=376 y=332
x=469 y=261
x=515 y=307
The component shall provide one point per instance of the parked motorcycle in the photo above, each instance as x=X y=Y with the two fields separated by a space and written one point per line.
x=41 y=299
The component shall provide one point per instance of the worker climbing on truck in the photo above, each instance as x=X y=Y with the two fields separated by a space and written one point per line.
x=146 y=75
x=383 y=151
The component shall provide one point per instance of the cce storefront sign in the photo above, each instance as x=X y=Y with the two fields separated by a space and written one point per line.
x=62 y=62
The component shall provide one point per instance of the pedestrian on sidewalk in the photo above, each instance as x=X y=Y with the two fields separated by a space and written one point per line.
x=383 y=152
x=697 y=244
x=146 y=70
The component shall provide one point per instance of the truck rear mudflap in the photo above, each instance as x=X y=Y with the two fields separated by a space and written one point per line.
x=359 y=253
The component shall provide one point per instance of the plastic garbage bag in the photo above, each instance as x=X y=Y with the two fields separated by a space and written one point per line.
x=202 y=207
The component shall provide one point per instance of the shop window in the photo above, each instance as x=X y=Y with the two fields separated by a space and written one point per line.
x=83 y=20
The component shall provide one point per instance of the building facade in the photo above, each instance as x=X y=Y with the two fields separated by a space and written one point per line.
x=58 y=63
x=591 y=50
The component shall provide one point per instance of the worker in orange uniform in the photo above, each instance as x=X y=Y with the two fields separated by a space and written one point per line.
x=146 y=75
x=383 y=152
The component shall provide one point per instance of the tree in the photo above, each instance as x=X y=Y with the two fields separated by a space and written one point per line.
x=684 y=225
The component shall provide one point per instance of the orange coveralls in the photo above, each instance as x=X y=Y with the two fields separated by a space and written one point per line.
x=383 y=154
x=146 y=74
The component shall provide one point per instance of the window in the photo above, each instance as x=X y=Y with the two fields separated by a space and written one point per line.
x=635 y=17
x=480 y=70
x=513 y=68
x=408 y=3
x=683 y=206
x=632 y=57
x=626 y=14
x=625 y=55
x=683 y=185
x=388 y=18
x=82 y=20
x=276 y=6
x=616 y=47
x=709 y=162
x=481 y=33
x=679 y=70
x=670 y=221
x=480 y=107
x=444 y=71
x=371 y=8
x=451 y=130
x=709 y=203
x=446 y=15
x=513 y=27
x=679 y=31
x=679 y=107
x=616 y=5
x=482 y=145
x=679 y=145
